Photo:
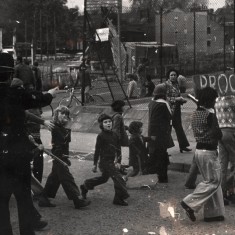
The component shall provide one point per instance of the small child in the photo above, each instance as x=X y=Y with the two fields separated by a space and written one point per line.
x=138 y=152
x=107 y=149
x=61 y=136
x=132 y=90
x=150 y=86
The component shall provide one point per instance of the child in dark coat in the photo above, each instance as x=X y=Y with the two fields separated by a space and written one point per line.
x=138 y=152
x=150 y=86
x=107 y=150
x=60 y=175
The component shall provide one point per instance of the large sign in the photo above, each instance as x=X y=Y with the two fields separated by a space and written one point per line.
x=102 y=35
x=224 y=83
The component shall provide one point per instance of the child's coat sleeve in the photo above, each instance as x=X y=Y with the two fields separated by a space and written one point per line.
x=97 y=149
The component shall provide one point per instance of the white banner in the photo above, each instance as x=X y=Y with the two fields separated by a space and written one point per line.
x=114 y=43
x=103 y=35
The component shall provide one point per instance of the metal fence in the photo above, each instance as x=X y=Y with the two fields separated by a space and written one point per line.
x=196 y=39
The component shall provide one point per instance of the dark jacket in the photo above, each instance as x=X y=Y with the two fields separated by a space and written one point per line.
x=37 y=78
x=61 y=137
x=159 y=125
x=107 y=147
x=13 y=103
x=25 y=73
x=137 y=146
x=87 y=81
x=150 y=88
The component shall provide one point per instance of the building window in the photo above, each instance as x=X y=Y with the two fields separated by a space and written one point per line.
x=208 y=30
x=208 y=43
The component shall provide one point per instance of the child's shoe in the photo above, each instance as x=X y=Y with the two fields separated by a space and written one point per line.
x=120 y=202
x=45 y=202
x=79 y=203
x=38 y=225
x=189 y=211
x=84 y=191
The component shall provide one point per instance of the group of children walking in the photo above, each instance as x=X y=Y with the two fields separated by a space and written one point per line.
x=107 y=156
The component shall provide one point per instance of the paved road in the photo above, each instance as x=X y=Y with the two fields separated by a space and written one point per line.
x=155 y=211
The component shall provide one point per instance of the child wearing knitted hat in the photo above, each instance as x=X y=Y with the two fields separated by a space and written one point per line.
x=107 y=152
x=138 y=153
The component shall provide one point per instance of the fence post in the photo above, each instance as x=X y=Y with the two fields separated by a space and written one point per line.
x=84 y=53
x=233 y=36
x=161 y=42
x=224 y=48
x=194 y=41
x=51 y=76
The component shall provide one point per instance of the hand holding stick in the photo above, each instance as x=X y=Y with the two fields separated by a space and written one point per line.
x=48 y=152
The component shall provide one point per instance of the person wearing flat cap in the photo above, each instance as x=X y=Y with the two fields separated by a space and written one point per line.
x=159 y=129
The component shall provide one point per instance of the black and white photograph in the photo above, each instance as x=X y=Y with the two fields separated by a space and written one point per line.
x=117 y=117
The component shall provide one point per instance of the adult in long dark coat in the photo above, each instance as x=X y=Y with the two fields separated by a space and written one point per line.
x=15 y=149
x=159 y=130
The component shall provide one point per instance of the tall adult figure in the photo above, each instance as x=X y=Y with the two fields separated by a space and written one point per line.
x=226 y=118
x=37 y=76
x=159 y=130
x=176 y=100
x=141 y=74
x=84 y=82
x=24 y=72
x=15 y=148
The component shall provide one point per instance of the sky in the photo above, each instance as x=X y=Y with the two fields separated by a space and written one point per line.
x=213 y=3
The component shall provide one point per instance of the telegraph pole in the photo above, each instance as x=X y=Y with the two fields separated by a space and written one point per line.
x=233 y=36
x=119 y=41
x=84 y=53
x=194 y=40
x=41 y=32
x=161 y=43
x=55 y=35
x=25 y=38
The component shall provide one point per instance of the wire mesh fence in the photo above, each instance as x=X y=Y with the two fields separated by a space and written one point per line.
x=195 y=37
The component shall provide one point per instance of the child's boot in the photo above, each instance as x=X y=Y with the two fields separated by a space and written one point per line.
x=84 y=191
x=79 y=203
x=45 y=202
x=119 y=201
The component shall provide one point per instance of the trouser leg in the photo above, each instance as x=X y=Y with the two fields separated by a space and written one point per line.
x=6 y=191
x=119 y=183
x=227 y=155
x=209 y=167
x=223 y=155
x=177 y=124
x=93 y=182
x=38 y=166
x=38 y=163
x=52 y=184
x=22 y=192
x=214 y=206
x=162 y=165
x=192 y=175
x=142 y=87
x=68 y=183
